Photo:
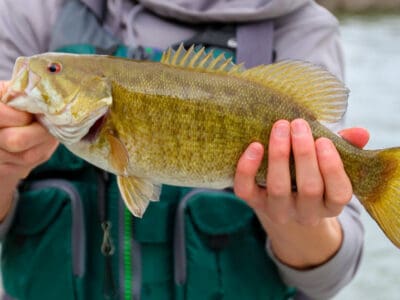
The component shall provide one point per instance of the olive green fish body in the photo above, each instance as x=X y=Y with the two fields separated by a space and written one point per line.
x=195 y=133
x=187 y=120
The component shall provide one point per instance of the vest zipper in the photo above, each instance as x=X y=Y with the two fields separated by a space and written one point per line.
x=107 y=246
x=127 y=254
x=130 y=261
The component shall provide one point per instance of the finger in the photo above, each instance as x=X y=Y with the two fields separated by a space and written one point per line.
x=32 y=157
x=279 y=201
x=13 y=171
x=10 y=117
x=18 y=139
x=245 y=185
x=356 y=136
x=310 y=188
x=338 y=189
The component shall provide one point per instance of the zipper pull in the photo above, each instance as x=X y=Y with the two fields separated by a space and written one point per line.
x=107 y=247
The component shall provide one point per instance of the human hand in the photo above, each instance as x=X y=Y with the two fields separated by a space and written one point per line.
x=24 y=143
x=302 y=225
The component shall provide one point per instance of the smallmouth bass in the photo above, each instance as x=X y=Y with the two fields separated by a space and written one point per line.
x=186 y=121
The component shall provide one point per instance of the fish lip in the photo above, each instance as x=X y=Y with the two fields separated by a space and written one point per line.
x=24 y=85
x=11 y=95
x=95 y=129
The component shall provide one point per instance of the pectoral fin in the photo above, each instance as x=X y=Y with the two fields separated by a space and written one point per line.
x=137 y=193
x=119 y=157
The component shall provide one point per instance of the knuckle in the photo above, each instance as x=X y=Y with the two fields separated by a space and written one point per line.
x=308 y=220
x=242 y=191
x=278 y=189
x=14 y=142
x=246 y=170
x=334 y=211
x=280 y=218
x=302 y=151
x=332 y=167
x=311 y=188
x=342 y=197
x=279 y=152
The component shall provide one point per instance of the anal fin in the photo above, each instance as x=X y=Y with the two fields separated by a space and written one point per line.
x=137 y=193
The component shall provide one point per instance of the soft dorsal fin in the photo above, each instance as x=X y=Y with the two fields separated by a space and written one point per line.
x=200 y=60
x=309 y=85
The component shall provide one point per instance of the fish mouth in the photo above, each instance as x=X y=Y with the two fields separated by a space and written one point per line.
x=95 y=129
x=22 y=84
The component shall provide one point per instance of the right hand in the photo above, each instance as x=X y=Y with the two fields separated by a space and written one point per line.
x=24 y=143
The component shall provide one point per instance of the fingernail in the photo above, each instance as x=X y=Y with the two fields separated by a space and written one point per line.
x=299 y=127
x=253 y=151
x=281 y=129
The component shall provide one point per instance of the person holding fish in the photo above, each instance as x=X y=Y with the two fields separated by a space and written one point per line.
x=63 y=218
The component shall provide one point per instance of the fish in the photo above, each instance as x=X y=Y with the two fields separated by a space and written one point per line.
x=187 y=119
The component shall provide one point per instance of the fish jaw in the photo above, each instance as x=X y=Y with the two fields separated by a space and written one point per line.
x=72 y=133
x=22 y=84
x=62 y=126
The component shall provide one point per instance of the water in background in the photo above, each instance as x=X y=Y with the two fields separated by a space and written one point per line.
x=372 y=51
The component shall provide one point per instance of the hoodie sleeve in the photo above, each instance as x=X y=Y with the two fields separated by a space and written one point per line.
x=311 y=34
x=25 y=28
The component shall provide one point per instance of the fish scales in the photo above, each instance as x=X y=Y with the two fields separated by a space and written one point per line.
x=194 y=125
x=187 y=120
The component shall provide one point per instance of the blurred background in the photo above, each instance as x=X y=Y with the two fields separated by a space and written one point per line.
x=370 y=32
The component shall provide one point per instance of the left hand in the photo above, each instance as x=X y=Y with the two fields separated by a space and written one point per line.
x=301 y=226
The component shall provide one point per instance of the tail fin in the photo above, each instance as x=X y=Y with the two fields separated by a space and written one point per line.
x=378 y=189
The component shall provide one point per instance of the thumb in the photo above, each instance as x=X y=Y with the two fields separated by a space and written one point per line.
x=356 y=136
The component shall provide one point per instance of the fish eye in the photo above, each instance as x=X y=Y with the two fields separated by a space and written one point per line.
x=54 y=68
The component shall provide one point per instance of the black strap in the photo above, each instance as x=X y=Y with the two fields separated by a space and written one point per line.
x=253 y=42
x=215 y=36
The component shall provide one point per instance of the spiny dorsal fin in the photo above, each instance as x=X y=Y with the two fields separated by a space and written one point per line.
x=200 y=59
x=307 y=84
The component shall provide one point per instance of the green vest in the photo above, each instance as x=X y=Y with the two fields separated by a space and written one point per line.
x=72 y=238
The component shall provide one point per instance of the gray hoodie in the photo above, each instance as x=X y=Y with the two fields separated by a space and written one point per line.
x=302 y=30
